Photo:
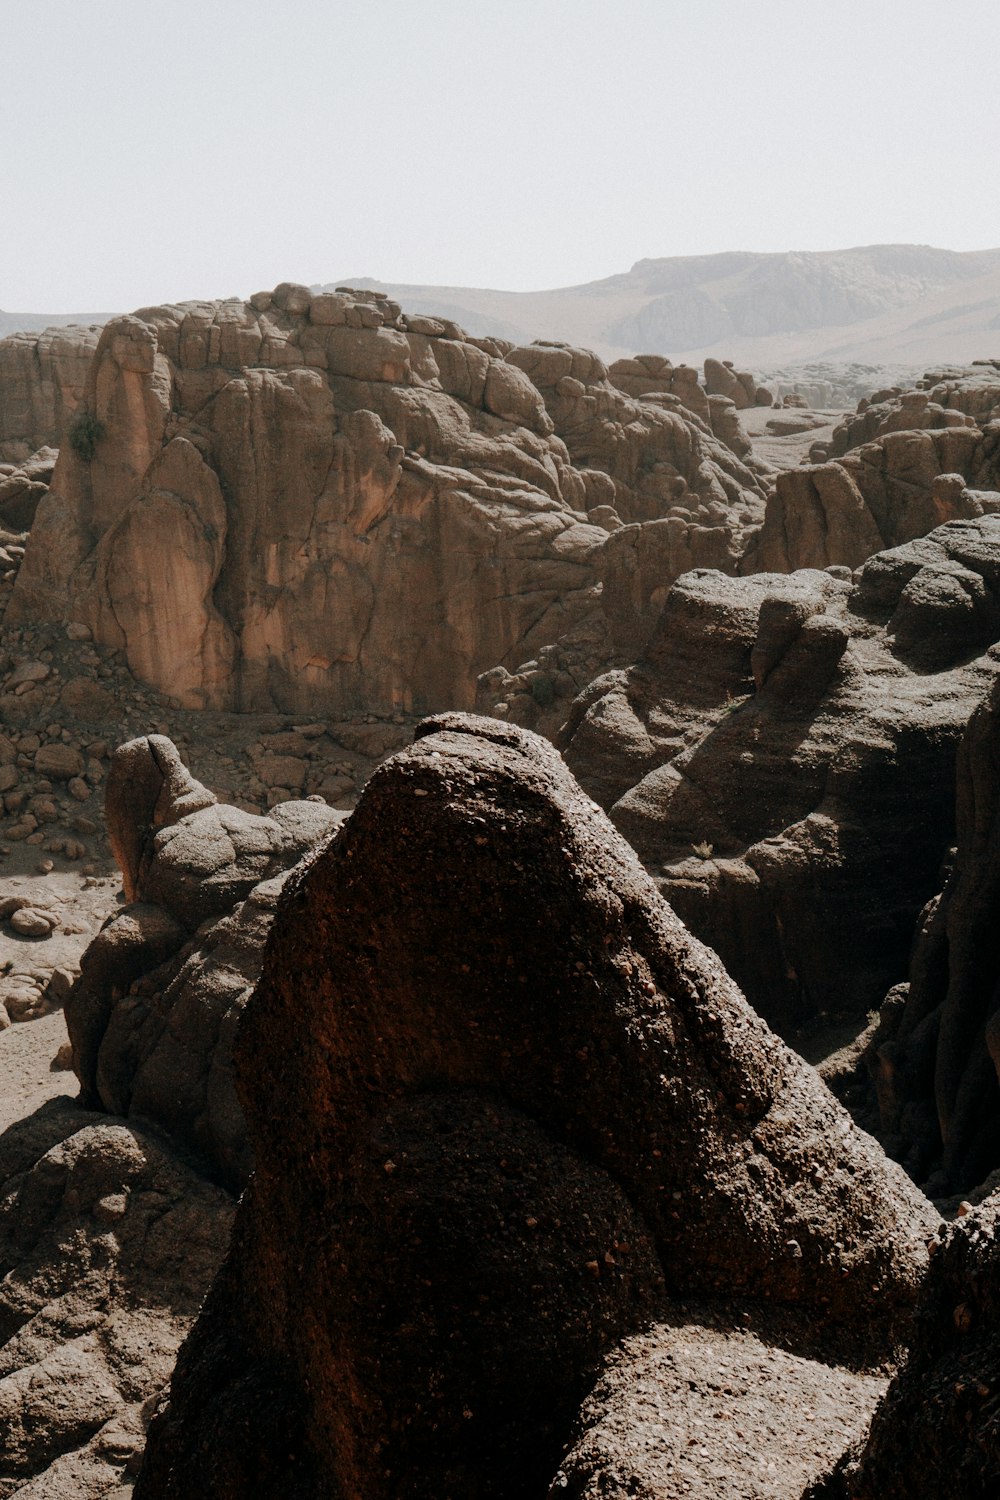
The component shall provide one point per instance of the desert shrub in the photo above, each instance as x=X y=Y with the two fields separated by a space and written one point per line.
x=85 y=433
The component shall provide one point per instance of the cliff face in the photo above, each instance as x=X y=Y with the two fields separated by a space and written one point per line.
x=41 y=381
x=316 y=503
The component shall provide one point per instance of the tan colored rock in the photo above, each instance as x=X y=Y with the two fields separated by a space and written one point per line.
x=304 y=505
x=42 y=376
x=58 y=761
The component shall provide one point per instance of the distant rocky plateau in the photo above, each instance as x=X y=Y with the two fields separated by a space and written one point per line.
x=499 y=863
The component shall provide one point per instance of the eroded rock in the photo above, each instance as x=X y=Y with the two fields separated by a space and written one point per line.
x=518 y=1082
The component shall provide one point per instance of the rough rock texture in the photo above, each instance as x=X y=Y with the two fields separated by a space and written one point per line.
x=153 y=1015
x=783 y=753
x=936 y=1436
x=902 y=466
x=315 y=504
x=737 y=386
x=42 y=376
x=516 y=1083
x=22 y=487
x=935 y=1055
x=698 y=1407
x=107 y=1245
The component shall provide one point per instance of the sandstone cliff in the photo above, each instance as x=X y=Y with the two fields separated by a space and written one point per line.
x=315 y=503
x=41 y=381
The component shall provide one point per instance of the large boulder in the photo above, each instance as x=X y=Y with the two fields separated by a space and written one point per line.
x=153 y=1015
x=502 y=1105
x=782 y=756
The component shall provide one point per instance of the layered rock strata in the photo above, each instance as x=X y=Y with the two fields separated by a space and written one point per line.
x=783 y=754
x=517 y=1085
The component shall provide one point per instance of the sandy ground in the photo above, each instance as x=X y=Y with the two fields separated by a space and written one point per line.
x=27 y=1078
x=786 y=452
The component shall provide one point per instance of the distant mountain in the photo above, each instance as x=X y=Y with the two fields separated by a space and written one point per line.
x=35 y=322
x=908 y=305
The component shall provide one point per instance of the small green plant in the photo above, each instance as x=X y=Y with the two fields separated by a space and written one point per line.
x=703 y=851
x=85 y=433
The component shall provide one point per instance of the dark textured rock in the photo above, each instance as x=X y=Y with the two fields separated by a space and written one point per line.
x=516 y=1083
x=783 y=754
x=935 y=1436
x=935 y=1056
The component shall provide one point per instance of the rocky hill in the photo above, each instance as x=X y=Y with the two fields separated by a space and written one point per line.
x=886 y=305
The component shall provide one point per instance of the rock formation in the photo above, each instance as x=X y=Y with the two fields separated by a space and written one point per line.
x=153 y=1015
x=487 y=1069
x=107 y=1244
x=899 y=468
x=42 y=376
x=316 y=504
x=783 y=754
x=935 y=1055
x=935 y=1435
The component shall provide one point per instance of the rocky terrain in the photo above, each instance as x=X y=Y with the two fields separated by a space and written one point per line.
x=466 y=1049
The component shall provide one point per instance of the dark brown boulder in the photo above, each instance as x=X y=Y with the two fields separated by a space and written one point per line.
x=494 y=1090
x=935 y=1057
x=935 y=1436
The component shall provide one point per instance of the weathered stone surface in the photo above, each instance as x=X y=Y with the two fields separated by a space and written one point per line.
x=106 y=1248
x=935 y=1056
x=42 y=376
x=161 y=989
x=517 y=1080
x=783 y=754
x=902 y=467
x=318 y=508
x=935 y=1435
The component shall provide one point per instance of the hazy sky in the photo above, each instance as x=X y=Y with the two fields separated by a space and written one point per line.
x=205 y=148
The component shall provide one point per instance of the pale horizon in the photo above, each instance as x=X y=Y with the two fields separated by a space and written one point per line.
x=211 y=151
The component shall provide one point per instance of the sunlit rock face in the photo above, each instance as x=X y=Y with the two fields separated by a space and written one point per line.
x=316 y=503
x=42 y=376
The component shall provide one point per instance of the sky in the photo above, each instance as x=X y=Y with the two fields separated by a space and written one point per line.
x=160 y=152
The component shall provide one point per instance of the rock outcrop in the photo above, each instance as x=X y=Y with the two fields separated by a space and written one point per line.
x=935 y=1435
x=487 y=1071
x=315 y=504
x=899 y=467
x=935 y=1055
x=783 y=755
x=107 y=1245
x=42 y=376
x=154 y=1012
